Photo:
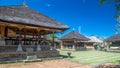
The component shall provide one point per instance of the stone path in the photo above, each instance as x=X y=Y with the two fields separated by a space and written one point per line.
x=60 y=63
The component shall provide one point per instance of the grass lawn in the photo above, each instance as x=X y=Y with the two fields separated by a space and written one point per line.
x=92 y=57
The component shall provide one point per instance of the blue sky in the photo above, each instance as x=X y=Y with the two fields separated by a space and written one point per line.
x=88 y=14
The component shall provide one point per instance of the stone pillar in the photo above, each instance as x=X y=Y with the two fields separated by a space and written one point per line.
x=37 y=38
x=19 y=49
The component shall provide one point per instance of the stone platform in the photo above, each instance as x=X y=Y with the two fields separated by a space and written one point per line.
x=8 y=52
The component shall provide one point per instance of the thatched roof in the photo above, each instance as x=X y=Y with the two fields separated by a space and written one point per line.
x=113 y=38
x=74 y=35
x=25 y=15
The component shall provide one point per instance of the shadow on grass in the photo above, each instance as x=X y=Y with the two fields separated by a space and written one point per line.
x=64 y=56
x=116 y=61
x=114 y=51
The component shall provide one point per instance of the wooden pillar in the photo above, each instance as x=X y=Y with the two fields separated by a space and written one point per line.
x=19 y=49
x=2 y=40
x=33 y=37
x=33 y=34
x=6 y=31
x=54 y=45
x=24 y=36
x=85 y=44
x=2 y=32
x=53 y=39
x=74 y=43
x=20 y=36
x=61 y=44
x=38 y=45
x=37 y=36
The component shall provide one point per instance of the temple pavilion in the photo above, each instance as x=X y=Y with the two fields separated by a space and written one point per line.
x=22 y=31
x=114 y=40
x=73 y=40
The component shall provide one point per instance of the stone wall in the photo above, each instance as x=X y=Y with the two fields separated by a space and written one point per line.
x=10 y=52
x=24 y=54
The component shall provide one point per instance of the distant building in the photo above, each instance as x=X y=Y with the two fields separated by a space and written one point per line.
x=73 y=40
x=114 y=40
x=93 y=40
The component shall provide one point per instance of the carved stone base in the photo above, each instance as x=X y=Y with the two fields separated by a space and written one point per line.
x=2 y=42
x=54 y=48
x=38 y=48
x=19 y=49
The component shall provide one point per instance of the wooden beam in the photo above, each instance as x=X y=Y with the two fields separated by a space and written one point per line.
x=29 y=27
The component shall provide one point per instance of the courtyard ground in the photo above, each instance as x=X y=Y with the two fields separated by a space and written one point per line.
x=59 y=63
x=78 y=59
x=92 y=57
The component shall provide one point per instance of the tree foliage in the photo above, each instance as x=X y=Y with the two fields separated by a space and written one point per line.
x=116 y=2
x=53 y=36
x=117 y=10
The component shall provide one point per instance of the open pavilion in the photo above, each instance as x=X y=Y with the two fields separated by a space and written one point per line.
x=22 y=31
x=114 y=40
x=73 y=40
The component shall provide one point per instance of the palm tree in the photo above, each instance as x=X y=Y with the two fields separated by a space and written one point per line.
x=53 y=36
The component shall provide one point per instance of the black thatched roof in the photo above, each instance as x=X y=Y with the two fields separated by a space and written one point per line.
x=74 y=35
x=25 y=15
x=113 y=38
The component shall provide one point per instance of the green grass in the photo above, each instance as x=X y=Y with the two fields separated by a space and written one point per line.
x=91 y=57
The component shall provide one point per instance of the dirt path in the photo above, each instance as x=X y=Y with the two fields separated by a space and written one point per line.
x=46 y=64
